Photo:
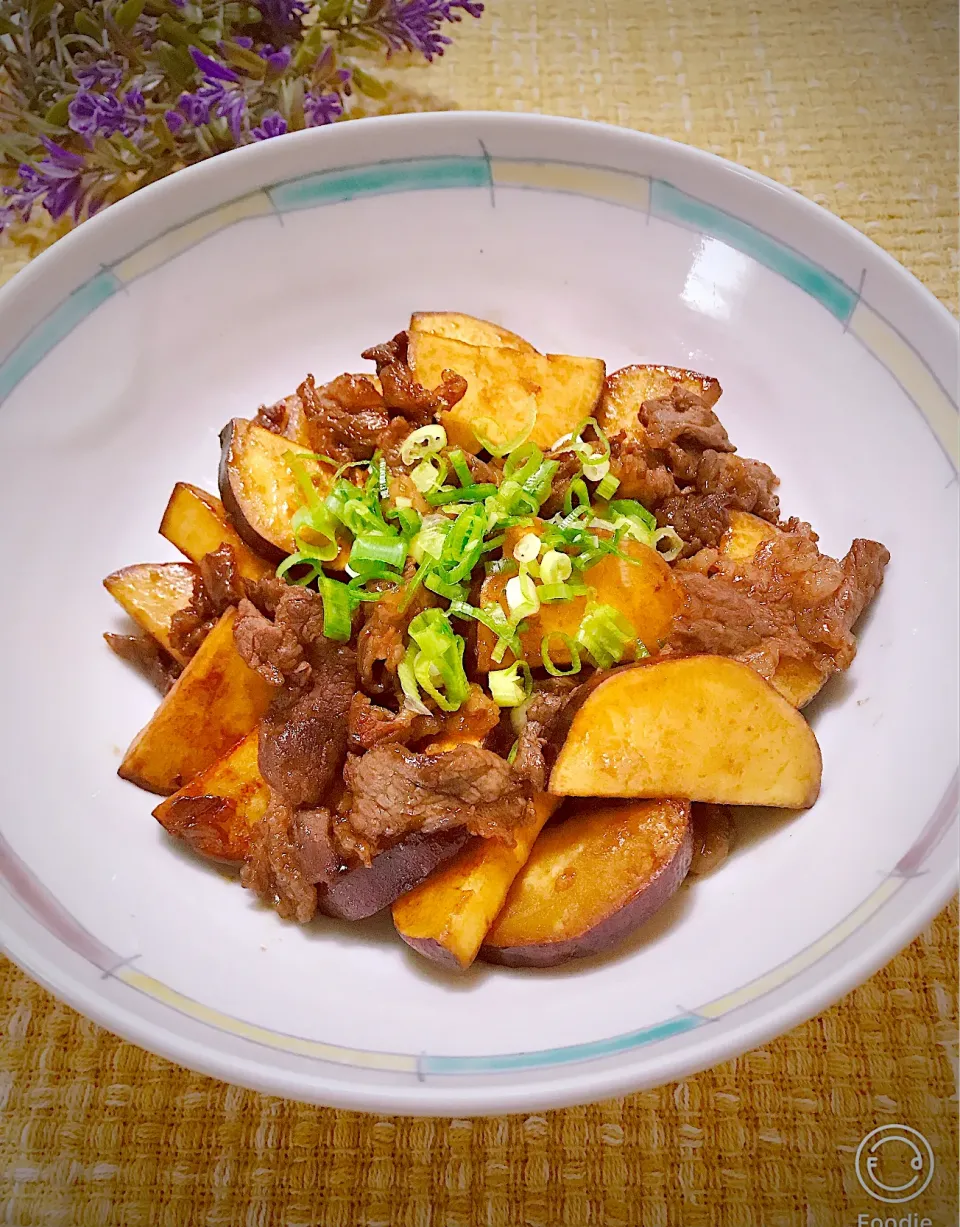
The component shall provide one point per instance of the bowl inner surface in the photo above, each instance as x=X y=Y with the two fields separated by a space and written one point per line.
x=132 y=399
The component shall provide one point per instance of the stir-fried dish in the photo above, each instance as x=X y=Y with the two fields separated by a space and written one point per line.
x=487 y=637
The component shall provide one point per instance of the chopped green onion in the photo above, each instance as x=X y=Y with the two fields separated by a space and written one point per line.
x=494 y=619
x=408 y=683
x=596 y=472
x=429 y=540
x=428 y=476
x=450 y=592
x=527 y=548
x=608 y=486
x=379 y=549
x=632 y=510
x=577 y=489
x=676 y=543
x=605 y=633
x=522 y=598
x=512 y=752
x=464 y=543
x=507 y=687
x=468 y=494
x=551 y=593
x=576 y=443
x=572 y=648
x=481 y=426
x=337 y=609
x=459 y=462
x=555 y=567
x=427 y=441
x=383 y=479
x=439 y=660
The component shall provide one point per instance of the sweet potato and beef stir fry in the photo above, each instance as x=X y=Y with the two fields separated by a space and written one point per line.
x=488 y=637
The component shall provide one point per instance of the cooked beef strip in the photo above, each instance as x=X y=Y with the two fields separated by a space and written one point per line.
x=369 y=724
x=681 y=464
x=274 y=867
x=788 y=602
x=217 y=585
x=534 y=756
x=344 y=418
x=156 y=665
x=396 y=792
x=382 y=639
x=303 y=737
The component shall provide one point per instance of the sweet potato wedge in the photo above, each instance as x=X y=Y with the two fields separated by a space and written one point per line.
x=151 y=593
x=214 y=703
x=366 y=890
x=590 y=881
x=646 y=591
x=259 y=489
x=217 y=810
x=197 y=524
x=797 y=680
x=505 y=386
x=447 y=917
x=625 y=391
x=467 y=328
x=703 y=727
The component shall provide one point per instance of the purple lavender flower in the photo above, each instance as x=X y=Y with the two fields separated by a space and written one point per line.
x=104 y=73
x=93 y=114
x=174 y=121
x=212 y=71
x=272 y=124
x=320 y=109
x=56 y=182
x=284 y=16
x=242 y=40
x=414 y=25
x=277 y=61
x=212 y=100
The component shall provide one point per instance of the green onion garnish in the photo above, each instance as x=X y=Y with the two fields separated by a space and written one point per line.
x=337 y=609
x=551 y=593
x=572 y=648
x=605 y=633
x=379 y=549
x=555 y=568
x=450 y=592
x=527 y=548
x=676 y=543
x=459 y=462
x=522 y=598
x=429 y=476
x=439 y=659
x=576 y=490
x=468 y=494
x=507 y=687
x=608 y=486
x=427 y=441
x=480 y=428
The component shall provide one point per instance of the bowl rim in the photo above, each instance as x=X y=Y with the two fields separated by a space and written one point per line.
x=668 y=1060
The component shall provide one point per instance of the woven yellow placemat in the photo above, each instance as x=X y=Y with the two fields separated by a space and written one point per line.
x=855 y=106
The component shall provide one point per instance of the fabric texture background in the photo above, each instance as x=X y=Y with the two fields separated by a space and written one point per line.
x=853 y=103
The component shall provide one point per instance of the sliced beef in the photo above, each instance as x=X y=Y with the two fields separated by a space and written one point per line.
x=396 y=792
x=534 y=754
x=303 y=737
x=344 y=418
x=275 y=867
x=402 y=394
x=285 y=417
x=745 y=485
x=700 y=520
x=641 y=475
x=681 y=427
x=368 y=725
x=788 y=601
x=217 y=585
x=142 y=651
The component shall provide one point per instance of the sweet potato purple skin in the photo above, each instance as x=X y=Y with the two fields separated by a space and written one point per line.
x=232 y=503
x=609 y=932
x=364 y=891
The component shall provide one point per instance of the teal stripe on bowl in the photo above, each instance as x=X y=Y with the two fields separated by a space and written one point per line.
x=558 y=1056
x=669 y=202
x=334 y=186
x=58 y=324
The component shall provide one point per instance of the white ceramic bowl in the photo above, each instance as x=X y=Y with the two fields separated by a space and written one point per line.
x=128 y=346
